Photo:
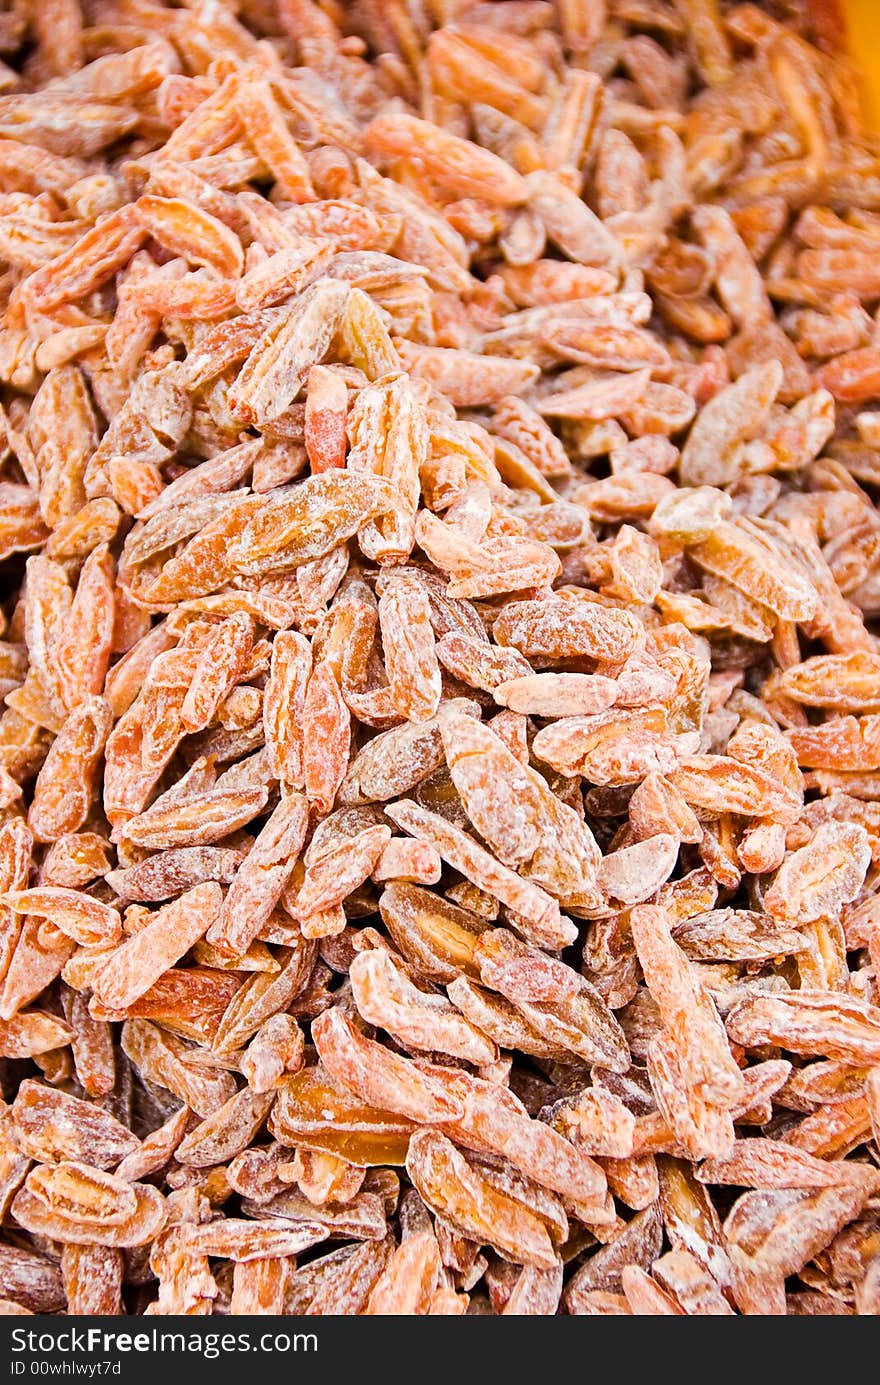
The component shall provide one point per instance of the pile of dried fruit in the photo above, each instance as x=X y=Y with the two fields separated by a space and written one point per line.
x=439 y=850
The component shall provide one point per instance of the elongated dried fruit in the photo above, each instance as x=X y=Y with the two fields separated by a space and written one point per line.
x=50 y=1125
x=809 y=1022
x=75 y=1203
x=166 y=937
x=513 y=809
x=457 y=1193
x=378 y=1076
x=385 y=997
x=538 y=911
x=261 y=877
x=275 y=370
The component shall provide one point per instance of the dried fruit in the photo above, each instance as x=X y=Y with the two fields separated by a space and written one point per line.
x=439 y=694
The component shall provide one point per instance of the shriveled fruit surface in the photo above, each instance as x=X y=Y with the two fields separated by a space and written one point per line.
x=440 y=747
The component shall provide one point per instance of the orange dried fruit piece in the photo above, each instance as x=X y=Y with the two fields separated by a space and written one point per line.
x=75 y=1203
x=457 y=1193
x=311 y=1112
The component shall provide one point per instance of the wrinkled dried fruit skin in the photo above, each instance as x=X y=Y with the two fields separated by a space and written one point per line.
x=76 y=1204
x=261 y=878
x=65 y=785
x=515 y=812
x=538 y=911
x=451 y=1188
x=385 y=997
x=810 y=1022
x=166 y=936
x=50 y=1125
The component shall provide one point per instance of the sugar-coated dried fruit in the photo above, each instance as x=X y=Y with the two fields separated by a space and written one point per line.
x=439 y=679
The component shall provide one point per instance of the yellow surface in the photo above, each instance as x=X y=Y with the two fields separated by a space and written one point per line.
x=862 y=18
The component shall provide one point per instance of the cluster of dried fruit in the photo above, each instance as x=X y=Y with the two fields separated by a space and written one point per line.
x=439 y=854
